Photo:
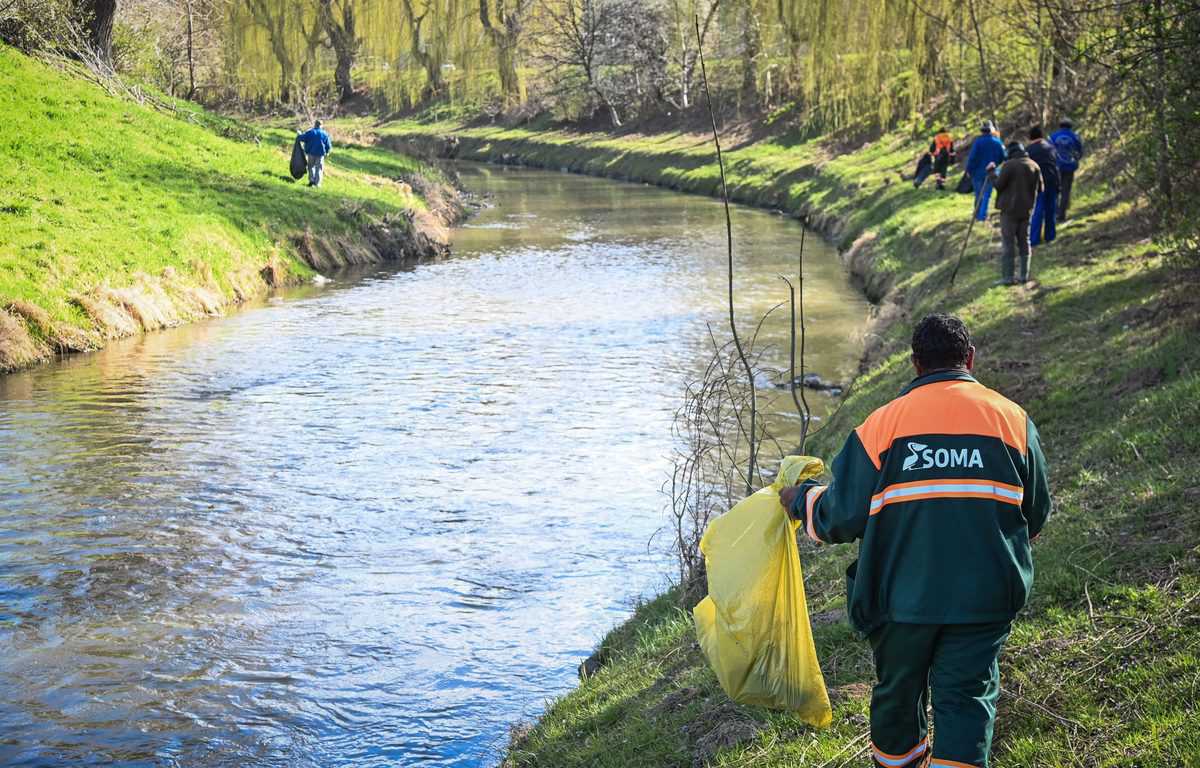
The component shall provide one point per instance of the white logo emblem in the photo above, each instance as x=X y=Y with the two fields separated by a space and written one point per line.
x=915 y=449
x=921 y=456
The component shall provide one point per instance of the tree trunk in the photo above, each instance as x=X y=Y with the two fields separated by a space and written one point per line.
x=612 y=112
x=751 y=48
x=101 y=29
x=343 y=36
x=505 y=36
x=275 y=27
x=191 y=56
x=685 y=82
x=1160 y=105
x=434 y=86
x=987 y=82
x=510 y=84
x=341 y=76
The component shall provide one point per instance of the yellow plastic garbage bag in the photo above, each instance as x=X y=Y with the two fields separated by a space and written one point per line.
x=754 y=626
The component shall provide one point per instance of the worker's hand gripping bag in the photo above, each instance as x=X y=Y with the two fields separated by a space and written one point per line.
x=754 y=626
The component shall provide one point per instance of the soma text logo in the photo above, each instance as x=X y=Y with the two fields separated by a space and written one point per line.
x=921 y=456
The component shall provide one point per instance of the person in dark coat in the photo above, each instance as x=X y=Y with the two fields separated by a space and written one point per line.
x=925 y=167
x=1018 y=183
x=1044 y=154
x=1070 y=152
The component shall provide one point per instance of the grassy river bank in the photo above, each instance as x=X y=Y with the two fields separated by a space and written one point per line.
x=1103 y=667
x=118 y=217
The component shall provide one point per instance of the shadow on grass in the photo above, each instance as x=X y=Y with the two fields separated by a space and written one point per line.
x=272 y=203
x=364 y=160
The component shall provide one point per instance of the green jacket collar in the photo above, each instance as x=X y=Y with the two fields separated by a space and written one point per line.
x=936 y=376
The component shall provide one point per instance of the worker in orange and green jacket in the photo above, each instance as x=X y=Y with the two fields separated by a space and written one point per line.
x=945 y=486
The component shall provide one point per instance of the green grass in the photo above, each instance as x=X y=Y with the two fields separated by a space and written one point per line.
x=96 y=189
x=1103 y=667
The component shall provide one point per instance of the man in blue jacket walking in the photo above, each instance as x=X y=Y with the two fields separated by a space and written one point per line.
x=1070 y=151
x=316 y=147
x=987 y=149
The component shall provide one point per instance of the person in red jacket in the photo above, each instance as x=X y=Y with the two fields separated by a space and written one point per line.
x=944 y=487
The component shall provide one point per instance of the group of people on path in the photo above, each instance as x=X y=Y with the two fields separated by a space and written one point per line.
x=1033 y=184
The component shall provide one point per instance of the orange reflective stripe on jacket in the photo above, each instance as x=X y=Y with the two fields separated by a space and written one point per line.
x=947 y=489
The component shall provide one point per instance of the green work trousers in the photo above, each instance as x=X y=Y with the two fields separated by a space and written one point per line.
x=960 y=662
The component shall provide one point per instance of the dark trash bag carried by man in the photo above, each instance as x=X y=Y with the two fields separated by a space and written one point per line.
x=299 y=163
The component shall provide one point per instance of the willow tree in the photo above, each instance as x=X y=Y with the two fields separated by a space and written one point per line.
x=879 y=59
x=271 y=18
x=504 y=22
x=339 y=19
x=430 y=33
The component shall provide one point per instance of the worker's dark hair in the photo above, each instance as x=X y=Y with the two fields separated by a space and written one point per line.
x=1065 y=123
x=316 y=123
x=1036 y=133
x=941 y=341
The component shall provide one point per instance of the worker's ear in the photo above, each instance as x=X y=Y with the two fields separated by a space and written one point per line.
x=970 y=358
x=917 y=366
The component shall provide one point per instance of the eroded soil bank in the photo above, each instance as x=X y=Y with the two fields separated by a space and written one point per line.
x=158 y=216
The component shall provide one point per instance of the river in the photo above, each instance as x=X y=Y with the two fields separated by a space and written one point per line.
x=379 y=522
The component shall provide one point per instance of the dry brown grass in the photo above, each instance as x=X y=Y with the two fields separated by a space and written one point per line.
x=18 y=348
x=60 y=337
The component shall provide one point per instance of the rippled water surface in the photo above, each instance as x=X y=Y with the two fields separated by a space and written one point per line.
x=379 y=522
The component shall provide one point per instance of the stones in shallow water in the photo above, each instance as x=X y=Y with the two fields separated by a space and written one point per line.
x=815 y=382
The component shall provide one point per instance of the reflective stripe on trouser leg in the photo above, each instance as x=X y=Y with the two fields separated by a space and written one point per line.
x=965 y=678
x=903 y=653
x=912 y=757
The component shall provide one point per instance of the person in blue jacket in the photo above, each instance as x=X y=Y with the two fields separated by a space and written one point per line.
x=987 y=149
x=1070 y=151
x=316 y=147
